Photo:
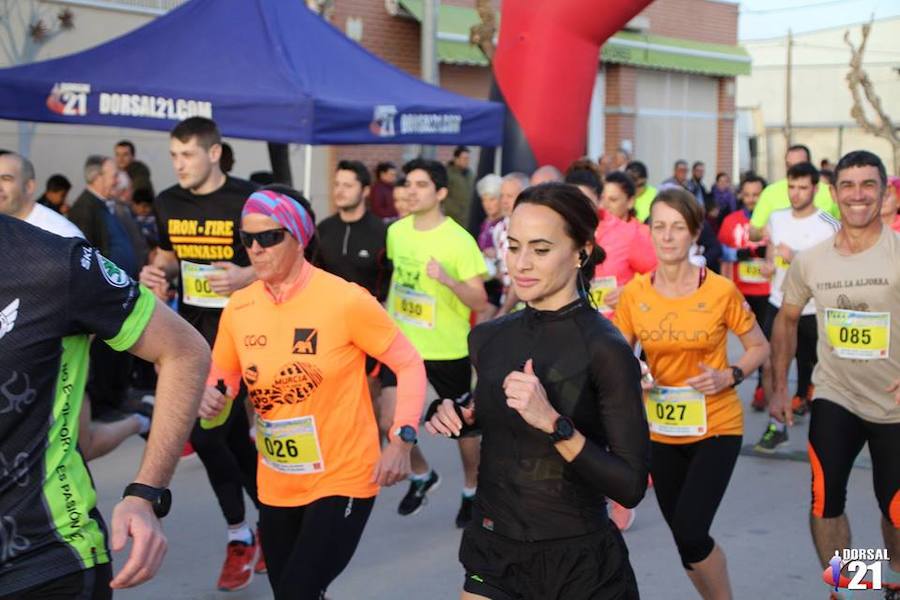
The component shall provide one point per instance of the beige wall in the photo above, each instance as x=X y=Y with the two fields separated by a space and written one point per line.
x=821 y=103
x=63 y=148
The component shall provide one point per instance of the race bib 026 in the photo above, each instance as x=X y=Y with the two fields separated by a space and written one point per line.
x=290 y=445
x=676 y=411
x=858 y=335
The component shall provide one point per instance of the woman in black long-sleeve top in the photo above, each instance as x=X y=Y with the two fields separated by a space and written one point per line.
x=558 y=403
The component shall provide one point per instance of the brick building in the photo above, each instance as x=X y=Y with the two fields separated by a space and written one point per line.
x=665 y=85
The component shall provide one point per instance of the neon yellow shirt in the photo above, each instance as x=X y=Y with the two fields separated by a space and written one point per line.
x=642 y=203
x=775 y=197
x=431 y=316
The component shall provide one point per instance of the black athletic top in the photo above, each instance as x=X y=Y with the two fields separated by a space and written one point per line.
x=356 y=252
x=526 y=489
x=201 y=229
x=54 y=292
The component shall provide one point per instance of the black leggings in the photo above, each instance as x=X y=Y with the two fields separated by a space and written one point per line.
x=690 y=481
x=807 y=338
x=836 y=437
x=90 y=584
x=760 y=307
x=307 y=547
x=229 y=456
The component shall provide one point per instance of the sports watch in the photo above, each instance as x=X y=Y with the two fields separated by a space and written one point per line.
x=159 y=498
x=738 y=374
x=563 y=429
x=406 y=434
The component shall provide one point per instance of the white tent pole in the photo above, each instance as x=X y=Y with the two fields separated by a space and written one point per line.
x=307 y=172
x=498 y=160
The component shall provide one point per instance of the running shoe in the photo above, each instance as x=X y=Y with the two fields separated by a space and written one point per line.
x=237 y=572
x=260 y=566
x=772 y=439
x=891 y=593
x=464 y=516
x=416 y=496
x=759 y=400
x=800 y=406
x=146 y=409
x=621 y=516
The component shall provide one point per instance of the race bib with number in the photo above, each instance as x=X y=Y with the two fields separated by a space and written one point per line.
x=414 y=308
x=858 y=335
x=197 y=291
x=782 y=264
x=290 y=445
x=600 y=287
x=676 y=411
x=749 y=271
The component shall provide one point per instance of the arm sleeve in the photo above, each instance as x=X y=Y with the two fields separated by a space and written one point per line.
x=620 y=469
x=796 y=291
x=641 y=254
x=105 y=301
x=739 y=317
x=226 y=364
x=404 y=360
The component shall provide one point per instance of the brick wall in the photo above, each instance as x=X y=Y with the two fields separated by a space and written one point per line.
x=701 y=20
x=725 y=130
x=621 y=96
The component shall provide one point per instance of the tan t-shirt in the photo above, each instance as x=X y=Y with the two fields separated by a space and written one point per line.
x=858 y=314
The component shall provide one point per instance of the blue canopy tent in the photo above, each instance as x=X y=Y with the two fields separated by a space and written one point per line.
x=263 y=69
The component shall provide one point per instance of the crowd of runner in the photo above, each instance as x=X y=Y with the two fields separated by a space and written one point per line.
x=573 y=326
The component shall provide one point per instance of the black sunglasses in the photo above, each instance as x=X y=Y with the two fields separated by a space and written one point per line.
x=266 y=239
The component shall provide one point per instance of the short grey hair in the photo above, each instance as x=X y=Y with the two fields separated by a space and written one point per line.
x=549 y=171
x=25 y=165
x=93 y=166
x=518 y=177
x=489 y=185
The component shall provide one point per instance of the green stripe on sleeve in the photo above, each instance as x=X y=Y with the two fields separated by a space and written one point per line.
x=136 y=322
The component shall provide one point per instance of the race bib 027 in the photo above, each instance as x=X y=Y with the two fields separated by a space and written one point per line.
x=676 y=411
x=600 y=287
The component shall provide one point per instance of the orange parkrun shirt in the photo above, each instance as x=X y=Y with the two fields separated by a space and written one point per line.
x=678 y=334
x=303 y=361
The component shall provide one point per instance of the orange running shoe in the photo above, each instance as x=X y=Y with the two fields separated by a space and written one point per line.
x=260 y=567
x=187 y=450
x=237 y=572
x=799 y=405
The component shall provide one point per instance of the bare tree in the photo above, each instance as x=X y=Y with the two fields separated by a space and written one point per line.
x=482 y=34
x=26 y=27
x=861 y=85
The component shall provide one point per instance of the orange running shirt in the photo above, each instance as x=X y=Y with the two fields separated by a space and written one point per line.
x=302 y=358
x=679 y=333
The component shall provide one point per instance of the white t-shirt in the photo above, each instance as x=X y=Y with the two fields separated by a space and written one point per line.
x=798 y=235
x=52 y=221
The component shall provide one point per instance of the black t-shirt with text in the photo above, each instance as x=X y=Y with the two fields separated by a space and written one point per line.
x=202 y=229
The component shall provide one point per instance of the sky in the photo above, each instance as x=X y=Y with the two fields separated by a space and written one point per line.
x=771 y=18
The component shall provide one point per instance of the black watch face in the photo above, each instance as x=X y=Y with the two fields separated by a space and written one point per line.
x=407 y=434
x=738 y=375
x=564 y=428
x=163 y=504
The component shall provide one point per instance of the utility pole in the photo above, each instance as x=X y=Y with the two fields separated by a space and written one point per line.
x=788 y=72
x=430 y=9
